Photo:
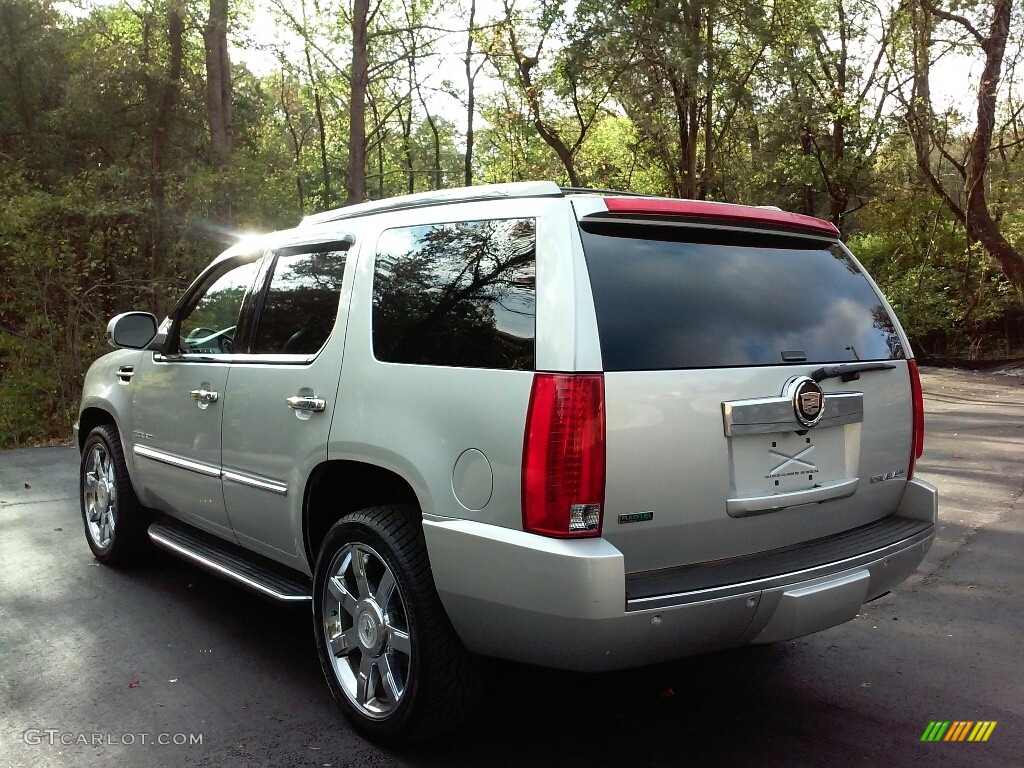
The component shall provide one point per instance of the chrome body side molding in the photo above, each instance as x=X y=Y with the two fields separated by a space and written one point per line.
x=260 y=483
x=201 y=468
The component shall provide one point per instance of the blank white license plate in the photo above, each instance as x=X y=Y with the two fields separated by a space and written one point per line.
x=786 y=461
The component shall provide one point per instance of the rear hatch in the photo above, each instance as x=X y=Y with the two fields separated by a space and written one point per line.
x=757 y=387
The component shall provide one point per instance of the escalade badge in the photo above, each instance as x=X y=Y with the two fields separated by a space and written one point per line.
x=808 y=400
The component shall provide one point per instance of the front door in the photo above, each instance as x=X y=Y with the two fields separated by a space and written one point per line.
x=178 y=402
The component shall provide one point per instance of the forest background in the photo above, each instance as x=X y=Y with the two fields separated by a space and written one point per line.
x=140 y=137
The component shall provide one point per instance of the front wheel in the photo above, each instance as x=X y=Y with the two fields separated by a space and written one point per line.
x=115 y=526
x=391 y=657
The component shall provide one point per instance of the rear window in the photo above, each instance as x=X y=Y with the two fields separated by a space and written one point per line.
x=720 y=299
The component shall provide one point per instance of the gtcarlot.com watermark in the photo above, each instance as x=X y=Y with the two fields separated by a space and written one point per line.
x=54 y=737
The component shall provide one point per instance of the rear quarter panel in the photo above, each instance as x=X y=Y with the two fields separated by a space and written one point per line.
x=417 y=420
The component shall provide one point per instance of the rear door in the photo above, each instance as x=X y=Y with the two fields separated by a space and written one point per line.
x=720 y=442
x=283 y=395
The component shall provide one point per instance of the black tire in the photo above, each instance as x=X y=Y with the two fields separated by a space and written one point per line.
x=436 y=679
x=115 y=522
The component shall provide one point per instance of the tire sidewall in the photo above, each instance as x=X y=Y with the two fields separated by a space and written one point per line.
x=99 y=436
x=358 y=529
x=128 y=541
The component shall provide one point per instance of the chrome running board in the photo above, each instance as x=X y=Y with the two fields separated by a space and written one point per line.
x=219 y=559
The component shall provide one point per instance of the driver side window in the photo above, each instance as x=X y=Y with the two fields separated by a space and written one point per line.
x=210 y=327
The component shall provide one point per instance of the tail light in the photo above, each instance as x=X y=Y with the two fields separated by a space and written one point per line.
x=917 y=442
x=564 y=455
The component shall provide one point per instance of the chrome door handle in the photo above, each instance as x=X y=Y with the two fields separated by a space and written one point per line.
x=314 y=404
x=204 y=395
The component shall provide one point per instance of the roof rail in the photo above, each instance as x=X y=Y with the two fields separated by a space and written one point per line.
x=593 y=191
x=438 y=197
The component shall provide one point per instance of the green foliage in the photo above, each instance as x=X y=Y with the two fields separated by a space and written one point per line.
x=951 y=299
x=110 y=199
x=59 y=287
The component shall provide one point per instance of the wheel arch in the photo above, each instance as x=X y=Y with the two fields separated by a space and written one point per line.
x=91 y=417
x=338 y=487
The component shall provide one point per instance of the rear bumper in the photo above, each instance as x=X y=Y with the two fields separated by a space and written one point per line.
x=564 y=604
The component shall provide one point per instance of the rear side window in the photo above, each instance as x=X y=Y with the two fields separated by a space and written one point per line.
x=301 y=303
x=716 y=300
x=460 y=294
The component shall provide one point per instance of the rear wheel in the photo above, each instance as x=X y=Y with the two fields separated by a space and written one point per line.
x=113 y=518
x=391 y=657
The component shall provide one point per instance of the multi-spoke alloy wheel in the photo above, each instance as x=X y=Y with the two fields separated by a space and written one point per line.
x=115 y=522
x=99 y=496
x=393 y=662
x=367 y=629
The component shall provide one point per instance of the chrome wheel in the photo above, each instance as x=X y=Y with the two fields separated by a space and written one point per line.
x=100 y=496
x=367 y=630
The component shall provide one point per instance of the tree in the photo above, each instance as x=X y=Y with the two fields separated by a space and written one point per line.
x=218 y=100
x=970 y=206
x=359 y=79
x=218 y=83
x=563 y=78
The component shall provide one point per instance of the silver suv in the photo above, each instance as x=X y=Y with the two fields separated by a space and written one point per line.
x=574 y=428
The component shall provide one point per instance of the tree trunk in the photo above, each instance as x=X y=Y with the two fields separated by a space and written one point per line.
x=218 y=100
x=975 y=215
x=218 y=82
x=523 y=66
x=807 y=150
x=355 y=184
x=407 y=148
x=980 y=225
x=318 y=113
x=686 y=113
x=166 y=98
x=838 y=193
x=297 y=143
x=470 y=95
x=709 y=143
x=436 y=172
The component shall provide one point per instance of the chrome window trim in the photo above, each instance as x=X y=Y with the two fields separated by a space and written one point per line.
x=278 y=359
x=198 y=467
x=239 y=358
x=763 y=415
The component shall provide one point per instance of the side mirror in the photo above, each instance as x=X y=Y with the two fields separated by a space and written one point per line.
x=131 y=330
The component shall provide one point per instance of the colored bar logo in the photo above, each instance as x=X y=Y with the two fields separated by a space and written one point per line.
x=958 y=730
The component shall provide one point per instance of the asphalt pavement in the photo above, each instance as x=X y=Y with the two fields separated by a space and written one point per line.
x=164 y=665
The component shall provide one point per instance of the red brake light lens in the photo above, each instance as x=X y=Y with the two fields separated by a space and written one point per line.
x=564 y=456
x=917 y=444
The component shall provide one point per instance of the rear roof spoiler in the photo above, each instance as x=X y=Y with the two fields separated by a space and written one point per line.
x=722 y=212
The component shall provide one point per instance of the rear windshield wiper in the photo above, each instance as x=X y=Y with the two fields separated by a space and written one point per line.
x=848 y=371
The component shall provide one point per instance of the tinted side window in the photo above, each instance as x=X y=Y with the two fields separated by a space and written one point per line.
x=460 y=294
x=726 y=300
x=209 y=329
x=301 y=304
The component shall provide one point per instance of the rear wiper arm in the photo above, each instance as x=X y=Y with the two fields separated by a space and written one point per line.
x=848 y=371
